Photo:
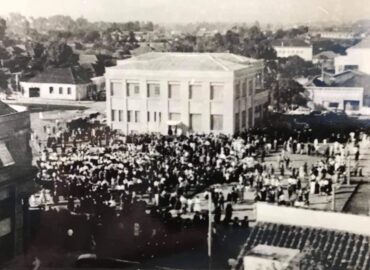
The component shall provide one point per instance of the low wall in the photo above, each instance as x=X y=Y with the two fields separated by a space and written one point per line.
x=313 y=218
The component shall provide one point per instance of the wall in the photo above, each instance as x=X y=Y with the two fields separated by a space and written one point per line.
x=355 y=56
x=323 y=95
x=163 y=104
x=303 y=52
x=312 y=218
x=183 y=105
x=78 y=92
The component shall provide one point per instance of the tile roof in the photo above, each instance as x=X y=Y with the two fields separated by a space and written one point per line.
x=349 y=78
x=186 y=62
x=336 y=249
x=67 y=75
x=291 y=42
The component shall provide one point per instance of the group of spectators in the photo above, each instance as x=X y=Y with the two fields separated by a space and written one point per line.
x=105 y=175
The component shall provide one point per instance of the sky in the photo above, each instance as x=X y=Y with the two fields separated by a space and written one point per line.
x=185 y=11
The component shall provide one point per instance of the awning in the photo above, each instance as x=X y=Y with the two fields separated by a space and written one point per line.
x=173 y=122
x=5 y=156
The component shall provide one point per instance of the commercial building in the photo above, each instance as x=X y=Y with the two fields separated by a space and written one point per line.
x=198 y=92
x=15 y=172
x=357 y=58
x=57 y=83
x=290 y=47
x=348 y=91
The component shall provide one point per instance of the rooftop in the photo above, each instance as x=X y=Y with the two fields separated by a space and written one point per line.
x=291 y=42
x=363 y=44
x=67 y=75
x=336 y=249
x=6 y=109
x=186 y=61
x=349 y=78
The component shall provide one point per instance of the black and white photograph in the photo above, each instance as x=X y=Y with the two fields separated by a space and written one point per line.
x=185 y=134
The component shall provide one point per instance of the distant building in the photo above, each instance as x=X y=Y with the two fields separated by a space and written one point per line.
x=334 y=35
x=357 y=58
x=325 y=59
x=58 y=83
x=198 y=92
x=348 y=91
x=16 y=171
x=290 y=47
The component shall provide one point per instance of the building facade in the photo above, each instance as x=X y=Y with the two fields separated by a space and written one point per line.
x=291 y=47
x=357 y=58
x=196 y=92
x=57 y=83
x=15 y=172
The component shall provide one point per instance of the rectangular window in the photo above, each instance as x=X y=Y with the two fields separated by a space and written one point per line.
x=250 y=87
x=120 y=115
x=237 y=121
x=51 y=90
x=154 y=90
x=60 y=90
x=155 y=116
x=217 y=92
x=237 y=90
x=195 y=92
x=113 y=115
x=160 y=117
x=174 y=91
x=174 y=116
x=137 y=116
x=133 y=89
x=148 y=116
x=259 y=80
x=130 y=116
x=5 y=227
x=216 y=122
x=244 y=89
x=244 y=119
x=69 y=90
x=195 y=122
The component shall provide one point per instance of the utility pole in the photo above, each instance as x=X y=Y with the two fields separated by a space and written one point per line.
x=348 y=170
x=333 y=198
x=209 y=229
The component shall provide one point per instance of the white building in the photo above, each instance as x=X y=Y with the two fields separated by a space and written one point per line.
x=57 y=83
x=347 y=91
x=199 y=92
x=290 y=47
x=358 y=58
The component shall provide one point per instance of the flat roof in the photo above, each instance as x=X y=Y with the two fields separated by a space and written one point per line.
x=186 y=62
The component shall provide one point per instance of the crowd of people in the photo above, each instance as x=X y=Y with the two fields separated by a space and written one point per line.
x=103 y=175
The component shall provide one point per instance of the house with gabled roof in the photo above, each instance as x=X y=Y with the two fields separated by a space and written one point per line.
x=68 y=83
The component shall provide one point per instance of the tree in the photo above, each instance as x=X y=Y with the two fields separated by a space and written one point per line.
x=4 y=81
x=91 y=36
x=59 y=54
x=2 y=28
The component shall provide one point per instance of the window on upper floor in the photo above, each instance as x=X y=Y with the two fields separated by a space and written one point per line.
x=195 y=92
x=133 y=89
x=174 y=91
x=217 y=92
x=154 y=90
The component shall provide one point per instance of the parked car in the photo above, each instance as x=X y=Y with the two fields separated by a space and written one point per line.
x=89 y=261
x=299 y=111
